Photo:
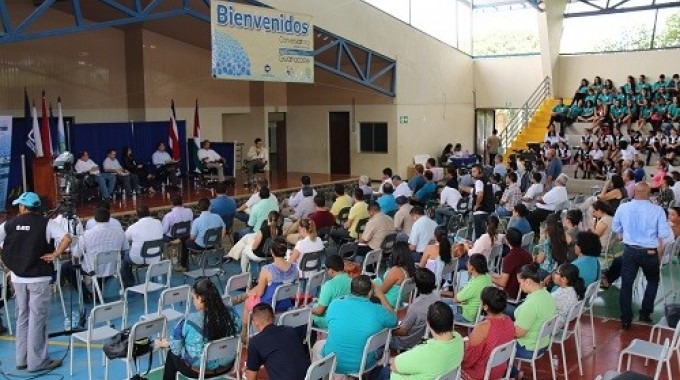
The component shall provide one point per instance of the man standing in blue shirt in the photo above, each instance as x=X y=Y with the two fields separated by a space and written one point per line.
x=643 y=226
x=351 y=321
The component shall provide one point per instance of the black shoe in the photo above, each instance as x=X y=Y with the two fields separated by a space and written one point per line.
x=645 y=319
x=21 y=367
x=626 y=325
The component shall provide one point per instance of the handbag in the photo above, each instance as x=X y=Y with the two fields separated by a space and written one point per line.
x=117 y=348
x=672 y=314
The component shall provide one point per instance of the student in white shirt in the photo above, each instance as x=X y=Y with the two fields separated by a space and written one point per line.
x=448 y=202
x=166 y=167
x=256 y=159
x=386 y=178
x=147 y=228
x=130 y=180
x=534 y=190
x=400 y=187
x=86 y=167
x=211 y=159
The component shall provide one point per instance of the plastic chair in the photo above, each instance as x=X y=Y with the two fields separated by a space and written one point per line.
x=495 y=259
x=297 y=318
x=210 y=265
x=348 y=250
x=374 y=258
x=219 y=349
x=572 y=327
x=343 y=215
x=503 y=354
x=99 y=329
x=104 y=259
x=151 y=250
x=159 y=269
x=180 y=230
x=171 y=297
x=310 y=263
x=406 y=293
x=211 y=239
x=313 y=287
x=237 y=282
x=461 y=235
x=472 y=324
x=285 y=291
x=528 y=241
x=588 y=303
x=322 y=369
x=650 y=350
x=152 y=328
x=547 y=331
x=377 y=341
x=453 y=374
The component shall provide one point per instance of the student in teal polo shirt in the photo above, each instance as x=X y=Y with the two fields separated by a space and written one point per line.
x=587 y=113
x=606 y=97
x=629 y=86
x=674 y=110
x=559 y=114
x=353 y=319
x=617 y=113
x=661 y=83
x=645 y=114
x=591 y=97
x=582 y=91
x=642 y=97
x=630 y=114
x=575 y=111
x=338 y=286
x=642 y=84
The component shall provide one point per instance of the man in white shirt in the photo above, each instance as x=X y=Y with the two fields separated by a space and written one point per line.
x=166 y=167
x=211 y=159
x=534 y=190
x=548 y=204
x=177 y=214
x=386 y=178
x=130 y=180
x=296 y=198
x=112 y=221
x=147 y=228
x=628 y=153
x=87 y=168
x=243 y=211
x=448 y=202
x=256 y=159
x=400 y=187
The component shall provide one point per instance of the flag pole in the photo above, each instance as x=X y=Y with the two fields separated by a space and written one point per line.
x=68 y=129
x=23 y=172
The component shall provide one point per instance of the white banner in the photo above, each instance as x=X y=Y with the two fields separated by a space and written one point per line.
x=5 y=156
x=261 y=44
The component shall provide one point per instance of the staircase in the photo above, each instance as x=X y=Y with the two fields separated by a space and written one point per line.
x=535 y=129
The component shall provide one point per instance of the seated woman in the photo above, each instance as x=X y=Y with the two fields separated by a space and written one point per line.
x=554 y=250
x=569 y=290
x=661 y=171
x=613 y=191
x=412 y=329
x=271 y=277
x=666 y=197
x=446 y=153
x=309 y=242
x=587 y=113
x=467 y=301
x=538 y=307
x=588 y=249
x=487 y=241
x=496 y=329
x=571 y=228
x=402 y=269
x=213 y=320
x=131 y=165
x=602 y=212
x=438 y=254
x=251 y=246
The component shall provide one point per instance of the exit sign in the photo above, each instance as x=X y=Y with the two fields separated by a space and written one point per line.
x=403 y=119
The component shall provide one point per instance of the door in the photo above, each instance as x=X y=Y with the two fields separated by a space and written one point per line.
x=485 y=120
x=338 y=142
x=278 y=149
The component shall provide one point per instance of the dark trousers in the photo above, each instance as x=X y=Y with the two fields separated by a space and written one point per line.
x=339 y=234
x=492 y=157
x=536 y=217
x=242 y=216
x=174 y=364
x=635 y=258
x=184 y=256
x=480 y=224
x=614 y=271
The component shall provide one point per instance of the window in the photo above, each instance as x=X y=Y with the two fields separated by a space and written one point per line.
x=505 y=32
x=613 y=32
x=373 y=137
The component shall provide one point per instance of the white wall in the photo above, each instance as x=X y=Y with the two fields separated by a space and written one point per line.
x=615 y=66
x=506 y=82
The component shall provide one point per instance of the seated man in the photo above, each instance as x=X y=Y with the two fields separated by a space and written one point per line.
x=280 y=349
x=512 y=263
x=337 y=286
x=442 y=353
x=259 y=213
x=243 y=211
x=387 y=202
x=377 y=228
x=412 y=328
x=401 y=188
x=418 y=180
x=102 y=237
x=352 y=320
x=305 y=206
x=211 y=159
x=147 y=228
x=166 y=167
x=549 y=203
x=422 y=232
x=256 y=160
x=321 y=217
x=448 y=201
x=427 y=191
x=342 y=200
x=296 y=198
x=511 y=196
x=129 y=180
x=358 y=212
x=88 y=169
x=177 y=214
x=403 y=222
x=112 y=221
x=223 y=205
x=206 y=221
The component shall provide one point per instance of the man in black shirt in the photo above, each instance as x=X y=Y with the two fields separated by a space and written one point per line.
x=279 y=348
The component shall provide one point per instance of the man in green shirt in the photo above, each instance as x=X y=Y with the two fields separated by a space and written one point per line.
x=339 y=285
x=438 y=356
x=559 y=114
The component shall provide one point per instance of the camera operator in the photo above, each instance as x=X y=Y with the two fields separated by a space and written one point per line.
x=28 y=252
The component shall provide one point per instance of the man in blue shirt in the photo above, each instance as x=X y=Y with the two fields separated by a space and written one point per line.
x=417 y=181
x=206 y=221
x=427 y=191
x=643 y=226
x=554 y=168
x=387 y=202
x=223 y=205
x=639 y=167
x=351 y=321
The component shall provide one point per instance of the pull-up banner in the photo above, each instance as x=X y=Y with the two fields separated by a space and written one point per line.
x=5 y=156
x=261 y=44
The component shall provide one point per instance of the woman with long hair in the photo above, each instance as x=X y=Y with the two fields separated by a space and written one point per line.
x=488 y=240
x=251 y=247
x=402 y=269
x=309 y=242
x=554 y=250
x=604 y=215
x=613 y=191
x=571 y=225
x=570 y=289
x=438 y=254
x=212 y=320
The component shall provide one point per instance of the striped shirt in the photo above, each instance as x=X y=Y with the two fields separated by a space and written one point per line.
x=178 y=214
x=103 y=237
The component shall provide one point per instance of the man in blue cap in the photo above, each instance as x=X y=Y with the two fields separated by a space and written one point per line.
x=29 y=252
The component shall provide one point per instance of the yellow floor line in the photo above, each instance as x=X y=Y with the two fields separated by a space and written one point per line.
x=55 y=343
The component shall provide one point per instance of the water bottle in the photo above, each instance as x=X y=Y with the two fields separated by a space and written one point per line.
x=67 y=324
x=75 y=319
x=555 y=362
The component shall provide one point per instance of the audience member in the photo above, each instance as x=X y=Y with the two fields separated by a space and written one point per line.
x=402 y=269
x=418 y=179
x=554 y=249
x=485 y=243
x=516 y=258
x=588 y=249
x=448 y=201
x=412 y=329
x=549 y=202
x=177 y=214
x=337 y=285
x=422 y=232
x=570 y=290
x=467 y=302
x=511 y=196
x=358 y=212
x=377 y=228
x=243 y=211
x=112 y=221
x=309 y=242
x=147 y=228
x=342 y=200
x=519 y=219
x=223 y=205
x=260 y=212
x=401 y=188
x=438 y=254
x=427 y=191
x=253 y=247
x=482 y=200
x=534 y=191
x=387 y=202
x=403 y=221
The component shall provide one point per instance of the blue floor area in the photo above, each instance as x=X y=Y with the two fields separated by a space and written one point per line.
x=58 y=347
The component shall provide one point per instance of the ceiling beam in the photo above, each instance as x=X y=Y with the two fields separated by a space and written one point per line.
x=617 y=10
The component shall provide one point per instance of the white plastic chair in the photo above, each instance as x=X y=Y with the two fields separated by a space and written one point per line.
x=650 y=350
x=167 y=301
x=152 y=329
x=103 y=259
x=285 y=291
x=407 y=289
x=5 y=298
x=297 y=318
x=528 y=241
x=160 y=269
x=99 y=329
x=547 y=331
x=453 y=374
x=377 y=341
x=572 y=327
x=219 y=349
x=313 y=287
x=461 y=235
x=322 y=369
x=588 y=303
x=210 y=265
x=374 y=258
x=471 y=325
x=503 y=354
x=495 y=260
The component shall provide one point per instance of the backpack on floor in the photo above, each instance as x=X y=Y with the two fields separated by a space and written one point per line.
x=672 y=313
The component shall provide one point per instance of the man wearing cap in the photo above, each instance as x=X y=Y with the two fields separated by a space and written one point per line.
x=28 y=251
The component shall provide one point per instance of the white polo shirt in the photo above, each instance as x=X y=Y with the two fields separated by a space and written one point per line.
x=145 y=229
x=210 y=154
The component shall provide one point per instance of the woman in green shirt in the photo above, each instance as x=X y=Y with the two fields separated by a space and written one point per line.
x=469 y=298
